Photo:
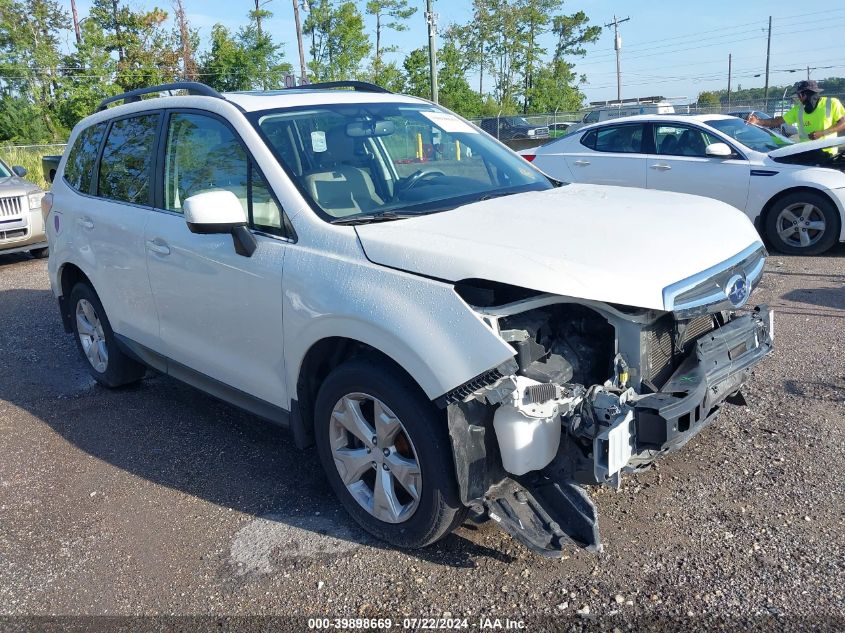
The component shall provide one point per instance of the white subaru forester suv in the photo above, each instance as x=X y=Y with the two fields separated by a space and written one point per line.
x=454 y=331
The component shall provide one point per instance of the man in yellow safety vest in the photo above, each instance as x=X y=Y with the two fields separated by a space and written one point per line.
x=815 y=116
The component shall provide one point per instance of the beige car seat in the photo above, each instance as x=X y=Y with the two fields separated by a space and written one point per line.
x=337 y=185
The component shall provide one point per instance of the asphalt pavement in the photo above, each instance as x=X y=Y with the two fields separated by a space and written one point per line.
x=157 y=500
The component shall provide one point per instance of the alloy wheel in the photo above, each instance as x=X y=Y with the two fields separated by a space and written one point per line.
x=375 y=457
x=91 y=335
x=801 y=224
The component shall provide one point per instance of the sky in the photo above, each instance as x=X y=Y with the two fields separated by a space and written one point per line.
x=669 y=48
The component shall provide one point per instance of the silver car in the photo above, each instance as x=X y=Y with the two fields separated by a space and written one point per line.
x=21 y=219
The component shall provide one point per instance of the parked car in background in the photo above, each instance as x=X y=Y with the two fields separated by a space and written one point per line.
x=21 y=218
x=619 y=110
x=794 y=193
x=786 y=129
x=507 y=128
x=453 y=330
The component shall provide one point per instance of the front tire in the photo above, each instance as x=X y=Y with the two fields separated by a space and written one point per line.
x=96 y=342
x=40 y=253
x=803 y=223
x=386 y=452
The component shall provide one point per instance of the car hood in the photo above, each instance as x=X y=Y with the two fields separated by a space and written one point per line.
x=15 y=185
x=807 y=146
x=611 y=244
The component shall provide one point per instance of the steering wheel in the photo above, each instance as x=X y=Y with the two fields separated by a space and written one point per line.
x=421 y=174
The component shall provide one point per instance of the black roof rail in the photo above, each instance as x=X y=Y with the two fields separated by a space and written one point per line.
x=357 y=86
x=192 y=87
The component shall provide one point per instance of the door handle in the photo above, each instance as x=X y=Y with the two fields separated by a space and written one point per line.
x=660 y=167
x=85 y=223
x=158 y=246
x=582 y=163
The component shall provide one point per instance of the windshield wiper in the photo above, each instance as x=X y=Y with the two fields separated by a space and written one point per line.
x=501 y=194
x=384 y=216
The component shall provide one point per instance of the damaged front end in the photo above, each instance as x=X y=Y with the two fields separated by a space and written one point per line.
x=593 y=391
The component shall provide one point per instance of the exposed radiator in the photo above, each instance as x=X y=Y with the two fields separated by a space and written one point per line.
x=661 y=354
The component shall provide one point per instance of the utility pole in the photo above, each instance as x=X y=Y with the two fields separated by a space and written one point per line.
x=303 y=77
x=75 y=23
x=431 y=20
x=768 y=52
x=729 y=81
x=808 y=73
x=617 y=46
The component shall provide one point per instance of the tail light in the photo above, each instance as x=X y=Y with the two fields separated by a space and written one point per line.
x=529 y=157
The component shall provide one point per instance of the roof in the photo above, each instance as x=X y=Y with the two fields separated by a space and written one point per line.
x=253 y=101
x=674 y=118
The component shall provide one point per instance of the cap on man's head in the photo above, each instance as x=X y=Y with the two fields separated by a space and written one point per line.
x=808 y=85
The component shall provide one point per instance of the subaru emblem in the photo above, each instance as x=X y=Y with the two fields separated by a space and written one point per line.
x=737 y=290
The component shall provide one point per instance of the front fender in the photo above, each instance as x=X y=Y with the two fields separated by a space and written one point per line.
x=420 y=323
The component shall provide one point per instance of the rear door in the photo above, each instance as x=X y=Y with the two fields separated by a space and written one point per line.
x=109 y=225
x=610 y=155
x=679 y=163
x=220 y=312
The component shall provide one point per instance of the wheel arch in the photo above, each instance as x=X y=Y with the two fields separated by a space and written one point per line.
x=318 y=362
x=767 y=208
x=69 y=275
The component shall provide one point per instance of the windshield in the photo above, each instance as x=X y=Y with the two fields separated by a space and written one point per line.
x=756 y=138
x=5 y=172
x=390 y=160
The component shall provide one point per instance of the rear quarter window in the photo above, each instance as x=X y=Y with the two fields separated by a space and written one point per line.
x=83 y=155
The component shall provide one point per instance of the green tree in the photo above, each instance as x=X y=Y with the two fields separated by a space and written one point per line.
x=225 y=66
x=708 y=99
x=339 y=42
x=417 y=76
x=536 y=15
x=389 y=14
x=264 y=57
x=29 y=61
x=87 y=76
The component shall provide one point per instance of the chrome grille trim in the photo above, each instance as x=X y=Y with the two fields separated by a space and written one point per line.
x=711 y=284
x=10 y=206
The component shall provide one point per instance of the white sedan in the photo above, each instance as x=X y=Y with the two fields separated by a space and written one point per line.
x=794 y=193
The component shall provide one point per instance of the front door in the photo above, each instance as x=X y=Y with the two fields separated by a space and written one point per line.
x=220 y=312
x=681 y=164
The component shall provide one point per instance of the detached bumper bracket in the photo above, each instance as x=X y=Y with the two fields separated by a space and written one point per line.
x=546 y=516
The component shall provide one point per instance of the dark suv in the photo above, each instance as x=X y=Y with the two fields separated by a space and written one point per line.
x=513 y=127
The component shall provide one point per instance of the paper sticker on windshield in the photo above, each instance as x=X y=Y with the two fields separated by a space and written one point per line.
x=449 y=123
x=318 y=142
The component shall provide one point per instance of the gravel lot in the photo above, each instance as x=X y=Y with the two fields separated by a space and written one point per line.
x=159 y=500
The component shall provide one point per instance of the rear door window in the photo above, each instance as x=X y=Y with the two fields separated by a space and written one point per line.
x=83 y=155
x=620 y=139
x=126 y=166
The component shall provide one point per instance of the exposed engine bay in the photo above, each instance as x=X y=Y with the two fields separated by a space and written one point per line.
x=593 y=391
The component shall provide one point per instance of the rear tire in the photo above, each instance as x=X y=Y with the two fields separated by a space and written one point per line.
x=803 y=223
x=408 y=442
x=96 y=341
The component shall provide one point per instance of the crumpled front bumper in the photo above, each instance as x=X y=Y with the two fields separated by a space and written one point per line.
x=712 y=373
x=547 y=510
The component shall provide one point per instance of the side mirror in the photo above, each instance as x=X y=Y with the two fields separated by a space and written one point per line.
x=20 y=171
x=220 y=212
x=718 y=150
